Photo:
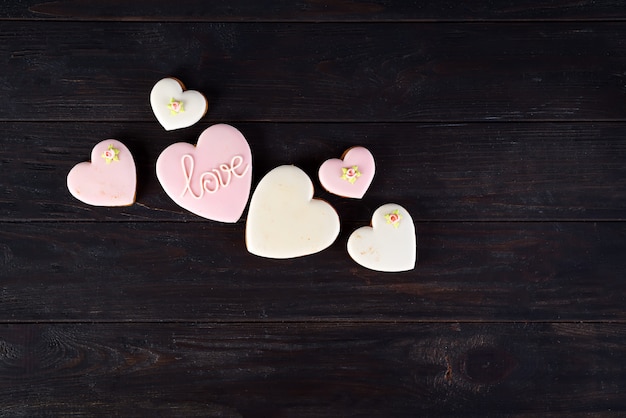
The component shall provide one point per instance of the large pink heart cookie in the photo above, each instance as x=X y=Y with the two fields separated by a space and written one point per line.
x=350 y=176
x=110 y=179
x=284 y=221
x=389 y=244
x=211 y=179
x=175 y=107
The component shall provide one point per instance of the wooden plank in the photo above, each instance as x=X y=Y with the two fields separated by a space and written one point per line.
x=312 y=10
x=107 y=271
x=499 y=126
x=495 y=171
x=307 y=370
x=81 y=71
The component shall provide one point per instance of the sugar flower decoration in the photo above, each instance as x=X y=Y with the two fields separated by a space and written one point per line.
x=350 y=174
x=393 y=218
x=111 y=154
x=175 y=106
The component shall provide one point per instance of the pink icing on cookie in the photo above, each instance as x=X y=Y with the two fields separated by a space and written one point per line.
x=110 y=179
x=393 y=218
x=211 y=179
x=350 y=176
x=175 y=106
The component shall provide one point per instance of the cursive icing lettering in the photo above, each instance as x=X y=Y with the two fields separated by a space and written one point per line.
x=211 y=181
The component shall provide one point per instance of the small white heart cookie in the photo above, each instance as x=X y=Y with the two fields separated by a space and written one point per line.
x=110 y=179
x=389 y=244
x=175 y=107
x=284 y=221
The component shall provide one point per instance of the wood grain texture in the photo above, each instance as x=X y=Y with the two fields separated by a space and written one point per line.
x=363 y=72
x=314 y=10
x=201 y=271
x=491 y=171
x=311 y=370
x=500 y=125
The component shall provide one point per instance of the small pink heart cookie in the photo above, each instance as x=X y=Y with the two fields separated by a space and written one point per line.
x=284 y=220
x=110 y=179
x=389 y=244
x=350 y=176
x=211 y=179
x=175 y=107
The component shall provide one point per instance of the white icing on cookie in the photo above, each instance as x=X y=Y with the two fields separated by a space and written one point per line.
x=389 y=244
x=284 y=221
x=211 y=181
x=110 y=179
x=175 y=108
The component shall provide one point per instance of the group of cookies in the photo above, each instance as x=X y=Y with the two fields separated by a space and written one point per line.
x=213 y=179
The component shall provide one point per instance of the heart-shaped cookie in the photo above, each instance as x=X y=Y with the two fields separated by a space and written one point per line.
x=175 y=107
x=389 y=244
x=211 y=179
x=110 y=179
x=284 y=221
x=349 y=176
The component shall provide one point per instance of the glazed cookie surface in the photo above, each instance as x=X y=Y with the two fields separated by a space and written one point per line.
x=389 y=244
x=109 y=179
x=211 y=179
x=284 y=221
x=175 y=107
x=349 y=176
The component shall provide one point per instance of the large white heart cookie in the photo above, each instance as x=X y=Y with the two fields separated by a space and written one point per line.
x=110 y=179
x=284 y=221
x=211 y=179
x=174 y=107
x=389 y=244
x=349 y=176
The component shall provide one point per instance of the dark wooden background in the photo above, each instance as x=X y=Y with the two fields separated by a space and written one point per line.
x=500 y=125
